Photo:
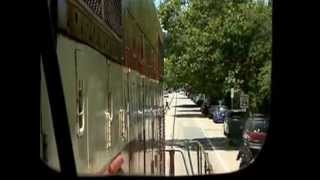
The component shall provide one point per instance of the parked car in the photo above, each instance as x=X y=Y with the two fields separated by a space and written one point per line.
x=195 y=97
x=200 y=99
x=192 y=96
x=204 y=108
x=234 y=124
x=211 y=110
x=254 y=135
x=218 y=113
x=255 y=131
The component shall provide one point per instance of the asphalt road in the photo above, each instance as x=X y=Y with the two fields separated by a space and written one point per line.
x=184 y=121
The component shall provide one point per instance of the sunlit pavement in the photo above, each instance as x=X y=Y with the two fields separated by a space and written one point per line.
x=191 y=124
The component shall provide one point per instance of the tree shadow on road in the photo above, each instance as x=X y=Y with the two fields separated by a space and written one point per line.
x=187 y=106
x=218 y=143
x=182 y=98
x=190 y=116
x=189 y=110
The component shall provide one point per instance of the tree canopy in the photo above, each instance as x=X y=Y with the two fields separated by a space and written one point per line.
x=213 y=45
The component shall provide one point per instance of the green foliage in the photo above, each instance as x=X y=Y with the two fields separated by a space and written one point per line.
x=213 y=45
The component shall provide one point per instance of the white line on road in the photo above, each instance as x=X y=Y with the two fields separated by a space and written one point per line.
x=222 y=162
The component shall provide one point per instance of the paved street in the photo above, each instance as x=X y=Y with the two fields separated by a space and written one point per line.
x=190 y=124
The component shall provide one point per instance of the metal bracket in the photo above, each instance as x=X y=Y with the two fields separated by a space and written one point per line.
x=81 y=107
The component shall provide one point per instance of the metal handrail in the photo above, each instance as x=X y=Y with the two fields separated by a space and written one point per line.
x=208 y=166
x=174 y=121
x=189 y=156
x=184 y=160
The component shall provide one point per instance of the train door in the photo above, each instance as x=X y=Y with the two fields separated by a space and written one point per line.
x=118 y=128
x=125 y=121
x=68 y=53
x=152 y=130
x=91 y=104
x=156 y=130
x=155 y=144
x=148 y=154
x=139 y=124
x=144 y=107
x=132 y=154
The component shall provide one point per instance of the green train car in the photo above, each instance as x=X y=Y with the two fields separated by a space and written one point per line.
x=109 y=54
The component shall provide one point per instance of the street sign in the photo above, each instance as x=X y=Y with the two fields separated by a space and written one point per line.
x=232 y=92
x=244 y=101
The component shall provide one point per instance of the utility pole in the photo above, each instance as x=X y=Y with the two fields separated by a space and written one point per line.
x=232 y=95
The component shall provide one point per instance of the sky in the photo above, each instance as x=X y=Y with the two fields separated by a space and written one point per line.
x=157 y=3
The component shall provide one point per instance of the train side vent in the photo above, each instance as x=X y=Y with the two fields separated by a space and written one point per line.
x=95 y=6
x=109 y=11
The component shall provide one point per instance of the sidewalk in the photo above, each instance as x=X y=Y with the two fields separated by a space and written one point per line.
x=191 y=124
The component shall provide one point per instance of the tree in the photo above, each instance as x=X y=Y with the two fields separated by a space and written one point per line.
x=214 y=45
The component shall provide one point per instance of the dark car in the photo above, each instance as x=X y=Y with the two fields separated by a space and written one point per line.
x=200 y=99
x=211 y=110
x=234 y=124
x=193 y=96
x=218 y=113
x=255 y=131
x=254 y=135
x=204 y=108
